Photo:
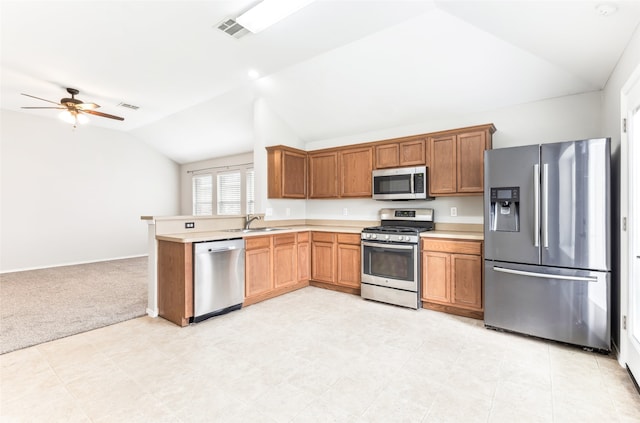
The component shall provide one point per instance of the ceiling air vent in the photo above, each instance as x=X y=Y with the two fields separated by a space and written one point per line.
x=129 y=106
x=233 y=28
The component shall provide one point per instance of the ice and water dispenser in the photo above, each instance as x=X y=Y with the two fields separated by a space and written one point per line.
x=505 y=209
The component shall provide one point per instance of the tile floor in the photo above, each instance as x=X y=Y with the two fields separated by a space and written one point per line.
x=312 y=356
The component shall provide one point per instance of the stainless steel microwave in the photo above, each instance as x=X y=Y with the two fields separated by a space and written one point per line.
x=405 y=183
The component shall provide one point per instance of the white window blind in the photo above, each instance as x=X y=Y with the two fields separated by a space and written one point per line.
x=202 y=195
x=229 y=193
x=251 y=200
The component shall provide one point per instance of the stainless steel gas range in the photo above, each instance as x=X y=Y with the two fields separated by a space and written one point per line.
x=391 y=256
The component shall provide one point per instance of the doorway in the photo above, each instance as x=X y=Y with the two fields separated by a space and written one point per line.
x=630 y=262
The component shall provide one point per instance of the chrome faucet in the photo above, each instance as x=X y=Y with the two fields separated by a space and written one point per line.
x=248 y=219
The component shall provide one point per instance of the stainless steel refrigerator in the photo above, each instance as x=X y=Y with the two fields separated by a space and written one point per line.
x=547 y=234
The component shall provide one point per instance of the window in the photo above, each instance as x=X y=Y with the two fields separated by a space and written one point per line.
x=227 y=192
x=202 y=195
x=251 y=198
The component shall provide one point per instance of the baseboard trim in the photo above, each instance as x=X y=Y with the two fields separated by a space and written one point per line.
x=71 y=264
x=152 y=313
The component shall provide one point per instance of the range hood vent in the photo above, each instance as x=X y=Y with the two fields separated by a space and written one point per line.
x=232 y=28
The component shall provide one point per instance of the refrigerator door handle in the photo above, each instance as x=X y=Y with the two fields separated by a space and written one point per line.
x=536 y=205
x=545 y=205
x=545 y=275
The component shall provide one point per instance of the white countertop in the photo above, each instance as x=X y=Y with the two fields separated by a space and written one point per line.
x=222 y=234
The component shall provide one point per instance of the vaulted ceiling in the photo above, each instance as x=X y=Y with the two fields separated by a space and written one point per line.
x=335 y=68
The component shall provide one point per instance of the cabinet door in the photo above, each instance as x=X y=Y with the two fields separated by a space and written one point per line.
x=436 y=277
x=387 y=155
x=442 y=170
x=323 y=175
x=323 y=250
x=258 y=276
x=466 y=280
x=349 y=271
x=356 y=166
x=286 y=172
x=294 y=175
x=304 y=258
x=470 y=163
x=285 y=260
x=412 y=153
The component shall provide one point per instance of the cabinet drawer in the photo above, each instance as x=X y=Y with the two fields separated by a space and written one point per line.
x=323 y=236
x=448 y=246
x=284 y=239
x=349 y=239
x=303 y=236
x=254 y=243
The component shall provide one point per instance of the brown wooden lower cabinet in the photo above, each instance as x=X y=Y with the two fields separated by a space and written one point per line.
x=452 y=276
x=257 y=274
x=335 y=261
x=275 y=265
x=304 y=256
x=175 y=281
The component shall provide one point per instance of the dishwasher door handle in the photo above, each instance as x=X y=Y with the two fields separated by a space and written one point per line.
x=219 y=250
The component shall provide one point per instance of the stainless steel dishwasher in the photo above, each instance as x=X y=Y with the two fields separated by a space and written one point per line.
x=218 y=277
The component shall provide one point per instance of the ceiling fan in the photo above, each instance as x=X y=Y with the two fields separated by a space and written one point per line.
x=73 y=108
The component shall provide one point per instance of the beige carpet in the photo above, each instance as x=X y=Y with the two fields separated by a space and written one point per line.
x=46 y=304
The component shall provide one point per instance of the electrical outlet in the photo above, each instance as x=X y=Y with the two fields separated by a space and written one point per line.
x=189 y=225
x=454 y=211
x=287 y=211
x=345 y=211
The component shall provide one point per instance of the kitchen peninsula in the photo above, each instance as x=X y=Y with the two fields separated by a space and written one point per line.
x=293 y=254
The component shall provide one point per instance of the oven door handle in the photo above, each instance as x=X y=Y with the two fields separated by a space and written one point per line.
x=389 y=246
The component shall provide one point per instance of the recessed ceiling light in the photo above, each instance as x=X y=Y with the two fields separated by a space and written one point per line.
x=253 y=74
x=606 y=9
x=268 y=12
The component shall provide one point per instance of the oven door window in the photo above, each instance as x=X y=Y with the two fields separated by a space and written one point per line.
x=389 y=263
x=392 y=184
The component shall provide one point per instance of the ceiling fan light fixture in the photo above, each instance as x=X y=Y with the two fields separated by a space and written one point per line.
x=269 y=12
x=73 y=118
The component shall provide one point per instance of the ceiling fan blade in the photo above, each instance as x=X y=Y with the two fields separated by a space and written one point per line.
x=63 y=108
x=93 y=112
x=87 y=106
x=33 y=96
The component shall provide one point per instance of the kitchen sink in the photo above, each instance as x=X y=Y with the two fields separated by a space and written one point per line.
x=250 y=230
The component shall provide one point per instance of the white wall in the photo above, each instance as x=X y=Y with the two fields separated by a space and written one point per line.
x=559 y=119
x=186 y=195
x=71 y=196
x=270 y=130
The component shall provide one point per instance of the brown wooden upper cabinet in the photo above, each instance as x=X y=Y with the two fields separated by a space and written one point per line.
x=400 y=154
x=340 y=173
x=356 y=165
x=457 y=161
x=323 y=174
x=286 y=172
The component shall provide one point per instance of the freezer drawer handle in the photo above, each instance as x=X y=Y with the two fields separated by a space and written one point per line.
x=545 y=275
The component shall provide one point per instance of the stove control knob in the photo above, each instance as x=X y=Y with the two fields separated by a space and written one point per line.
x=374 y=236
x=367 y=236
x=386 y=237
x=401 y=238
